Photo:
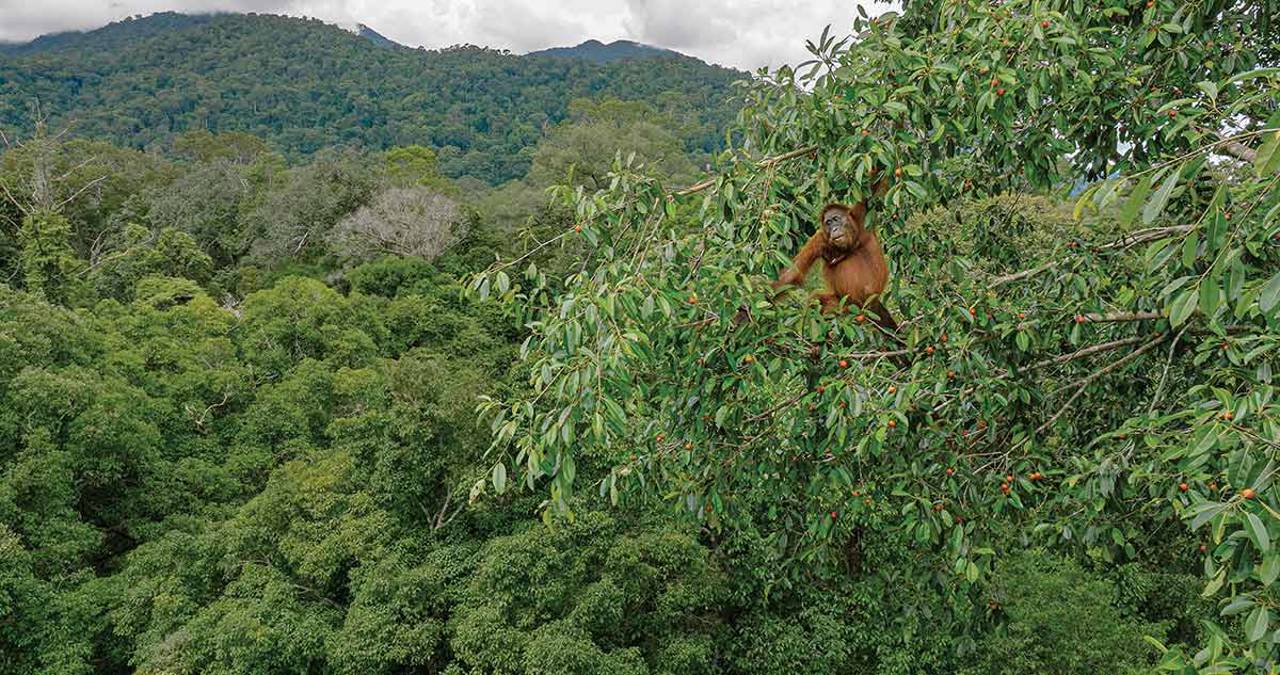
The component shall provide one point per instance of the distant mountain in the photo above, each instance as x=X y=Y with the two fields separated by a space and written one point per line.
x=375 y=37
x=305 y=85
x=114 y=35
x=598 y=52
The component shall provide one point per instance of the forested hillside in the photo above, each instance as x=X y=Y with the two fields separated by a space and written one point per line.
x=304 y=85
x=297 y=394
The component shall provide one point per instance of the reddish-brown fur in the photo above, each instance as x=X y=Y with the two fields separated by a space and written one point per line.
x=853 y=267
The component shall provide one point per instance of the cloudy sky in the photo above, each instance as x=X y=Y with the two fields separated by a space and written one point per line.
x=742 y=33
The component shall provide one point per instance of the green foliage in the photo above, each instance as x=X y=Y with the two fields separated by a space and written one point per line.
x=1049 y=604
x=303 y=85
x=1064 y=380
x=228 y=446
x=143 y=253
x=49 y=267
x=587 y=599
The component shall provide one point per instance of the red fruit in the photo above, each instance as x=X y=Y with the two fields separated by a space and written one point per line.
x=1008 y=478
x=944 y=337
x=821 y=389
x=660 y=437
x=860 y=318
x=995 y=81
x=897 y=172
x=1044 y=24
x=1183 y=487
x=834 y=515
x=1173 y=113
x=577 y=228
x=1248 y=493
x=1000 y=91
x=891 y=424
x=688 y=446
x=1080 y=318
x=1022 y=315
x=951 y=374
x=1227 y=415
x=929 y=349
x=1004 y=488
x=951 y=471
x=1227 y=215
x=693 y=298
x=857 y=494
x=1203 y=548
x=892 y=389
x=867 y=501
x=844 y=363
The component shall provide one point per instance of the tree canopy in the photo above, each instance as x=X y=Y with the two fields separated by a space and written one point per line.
x=1091 y=379
x=302 y=86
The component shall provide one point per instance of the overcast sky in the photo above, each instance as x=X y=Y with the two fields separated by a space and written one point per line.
x=741 y=33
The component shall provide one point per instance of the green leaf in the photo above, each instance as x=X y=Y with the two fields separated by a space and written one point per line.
x=1190 y=249
x=1257 y=533
x=1182 y=308
x=1270 y=295
x=1255 y=627
x=1209 y=88
x=1139 y=195
x=1238 y=605
x=1156 y=205
x=1270 y=568
x=1204 y=512
x=500 y=478
x=1268 y=155
x=1209 y=296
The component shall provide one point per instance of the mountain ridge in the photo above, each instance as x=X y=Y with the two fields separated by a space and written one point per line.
x=306 y=85
x=618 y=50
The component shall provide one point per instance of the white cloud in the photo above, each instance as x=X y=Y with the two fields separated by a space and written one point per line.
x=741 y=33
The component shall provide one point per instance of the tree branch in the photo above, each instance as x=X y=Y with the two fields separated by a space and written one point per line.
x=764 y=163
x=1238 y=150
x=1113 y=317
x=1084 y=383
x=1095 y=349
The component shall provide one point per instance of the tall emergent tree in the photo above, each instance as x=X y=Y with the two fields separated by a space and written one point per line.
x=1103 y=384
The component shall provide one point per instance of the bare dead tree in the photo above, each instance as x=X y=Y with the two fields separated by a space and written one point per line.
x=405 y=221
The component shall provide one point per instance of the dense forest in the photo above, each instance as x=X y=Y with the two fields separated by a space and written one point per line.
x=303 y=86
x=379 y=360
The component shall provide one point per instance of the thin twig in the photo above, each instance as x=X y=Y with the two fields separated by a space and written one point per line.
x=764 y=163
x=1019 y=276
x=1085 y=382
x=1165 y=374
x=1095 y=349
